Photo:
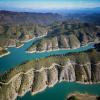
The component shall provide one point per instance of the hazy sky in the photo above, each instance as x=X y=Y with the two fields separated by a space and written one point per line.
x=48 y=4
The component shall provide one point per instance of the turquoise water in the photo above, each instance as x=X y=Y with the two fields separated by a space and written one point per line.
x=61 y=90
x=19 y=55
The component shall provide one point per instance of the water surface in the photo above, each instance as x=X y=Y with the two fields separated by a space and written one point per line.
x=61 y=90
x=19 y=55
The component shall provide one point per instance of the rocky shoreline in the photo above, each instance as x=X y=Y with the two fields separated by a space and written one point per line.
x=53 y=44
x=10 y=46
x=36 y=75
x=81 y=96
x=5 y=54
x=20 y=46
x=35 y=78
x=59 y=49
x=34 y=38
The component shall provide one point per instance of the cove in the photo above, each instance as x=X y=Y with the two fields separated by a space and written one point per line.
x=61 y=90
x=19 y=55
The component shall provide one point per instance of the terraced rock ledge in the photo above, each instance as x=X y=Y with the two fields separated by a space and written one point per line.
x=36 y=75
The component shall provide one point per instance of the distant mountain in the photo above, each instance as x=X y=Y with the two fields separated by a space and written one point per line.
x=21 y=18
x=91 y=15
x=78 y=11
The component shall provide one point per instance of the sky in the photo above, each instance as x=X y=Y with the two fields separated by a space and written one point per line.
x=48 y=4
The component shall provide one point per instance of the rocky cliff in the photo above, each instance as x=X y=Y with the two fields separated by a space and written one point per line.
x=67 y=36
x=14 y=35
x=22 y=26
x=36 y=75
x=17 y=26
x=55 y=42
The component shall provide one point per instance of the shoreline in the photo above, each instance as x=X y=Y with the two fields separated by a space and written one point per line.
x=81 y=46
x=33 y=39
x=53 y=84
x=5 y=54
x=43 y=68
x=11 y=46
x=14 y=46
x=41 y=90
x=6 y=83
x=30 y=52
x=87 y=83
x=56 y=82
x=20 y=46
x=45 y=86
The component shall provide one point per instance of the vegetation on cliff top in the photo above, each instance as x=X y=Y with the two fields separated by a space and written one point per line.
x=65 y=35
x=78 y=58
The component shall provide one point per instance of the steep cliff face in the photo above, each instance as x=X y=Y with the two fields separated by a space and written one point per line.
x=12 y=35
x=68 y=72
x=80 y=67
x=10 y=91
x=22 y=26
x=66 y=36
x=52 y=75
x=56 y=42
x=39 y=82
x=26 y=83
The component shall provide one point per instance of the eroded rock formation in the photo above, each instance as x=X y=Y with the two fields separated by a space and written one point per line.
x=36 y=75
